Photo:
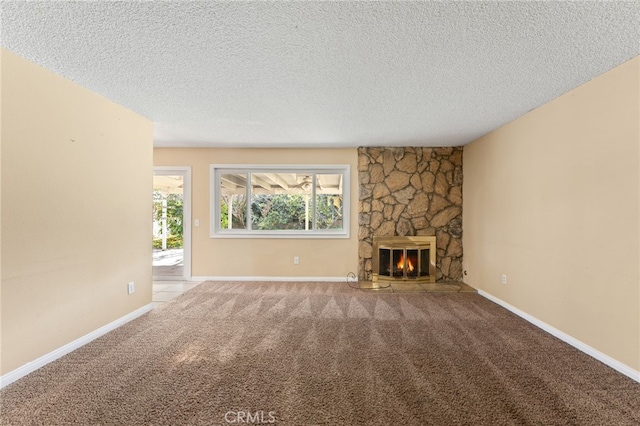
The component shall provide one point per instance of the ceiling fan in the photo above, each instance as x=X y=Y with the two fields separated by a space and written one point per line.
x=305 y=184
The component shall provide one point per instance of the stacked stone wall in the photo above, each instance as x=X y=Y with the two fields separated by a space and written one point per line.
x=411 y=191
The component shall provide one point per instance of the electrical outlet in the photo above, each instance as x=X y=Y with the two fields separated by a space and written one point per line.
x=131 y=287
x=296 y=260
x=504 y=279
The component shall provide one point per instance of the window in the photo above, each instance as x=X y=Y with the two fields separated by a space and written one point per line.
x=280 y=201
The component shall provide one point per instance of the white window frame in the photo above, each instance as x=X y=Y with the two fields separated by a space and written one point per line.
x=215 y=170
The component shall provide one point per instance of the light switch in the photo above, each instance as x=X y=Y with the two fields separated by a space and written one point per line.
x=196 y=222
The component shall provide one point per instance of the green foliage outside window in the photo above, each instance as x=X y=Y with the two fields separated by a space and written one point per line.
x=287 y=212
x=278 y=211
x=175 y=208
x=329 y=211
x=238 y=210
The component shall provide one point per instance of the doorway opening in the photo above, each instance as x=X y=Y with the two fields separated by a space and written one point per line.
x=171 y=223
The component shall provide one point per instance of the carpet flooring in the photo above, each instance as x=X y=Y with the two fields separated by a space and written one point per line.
x=323 y=354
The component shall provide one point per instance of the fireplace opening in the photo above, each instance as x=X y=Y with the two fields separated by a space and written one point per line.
x=404 y=258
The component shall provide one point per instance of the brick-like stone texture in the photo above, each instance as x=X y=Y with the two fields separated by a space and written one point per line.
x=411 y=191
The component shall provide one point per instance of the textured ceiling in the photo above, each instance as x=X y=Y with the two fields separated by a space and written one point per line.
x=330 y=74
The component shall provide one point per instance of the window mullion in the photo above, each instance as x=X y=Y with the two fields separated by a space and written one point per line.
x=248 y=202
x=313 y=201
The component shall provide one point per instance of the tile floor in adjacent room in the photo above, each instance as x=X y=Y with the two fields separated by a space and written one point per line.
x=164 y=291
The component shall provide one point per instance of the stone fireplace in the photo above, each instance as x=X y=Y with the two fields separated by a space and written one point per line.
x=404 y=259
x=411 y=192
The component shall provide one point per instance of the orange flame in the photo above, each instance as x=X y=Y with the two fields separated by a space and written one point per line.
x=400 y=263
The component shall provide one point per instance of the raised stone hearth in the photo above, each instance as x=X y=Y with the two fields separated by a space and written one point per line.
x=408 y=192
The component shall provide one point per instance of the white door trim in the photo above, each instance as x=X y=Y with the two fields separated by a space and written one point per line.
x=185 y=172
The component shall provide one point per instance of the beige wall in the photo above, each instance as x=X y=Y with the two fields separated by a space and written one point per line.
x=76 y=211
x=1 y=133
x=552 y=201
x=261 y=257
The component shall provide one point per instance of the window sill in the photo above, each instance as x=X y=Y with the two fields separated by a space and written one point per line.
x=283 y=234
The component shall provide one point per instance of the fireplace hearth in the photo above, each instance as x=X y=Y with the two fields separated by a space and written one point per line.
x=410 y=259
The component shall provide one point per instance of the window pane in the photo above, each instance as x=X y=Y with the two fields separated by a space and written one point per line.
x=233 y=204
x=329 y=201
x=280 y=201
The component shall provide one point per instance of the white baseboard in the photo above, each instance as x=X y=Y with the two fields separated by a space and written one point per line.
x=32 y=366
x=605 y=359
x=300 y=279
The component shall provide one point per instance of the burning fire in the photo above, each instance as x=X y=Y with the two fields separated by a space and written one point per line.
x=400 y=263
